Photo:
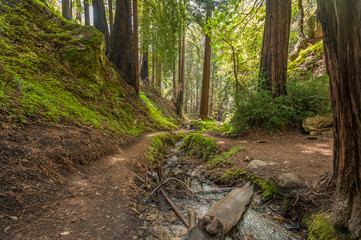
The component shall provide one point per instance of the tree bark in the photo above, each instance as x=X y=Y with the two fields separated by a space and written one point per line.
x=66 y=9
x=86 y=12
x=180 y=94
x=300 y=20
x=144 y=68
x=135 y=45
x=273 y=67
x=153 y=66
x=341 y=23
x=100 y=20
x=110 y=5
x=78 y=16
x=122 y=55
x=206 y=73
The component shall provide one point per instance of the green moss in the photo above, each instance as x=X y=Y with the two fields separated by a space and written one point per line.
x=156 y=115
x=224 y=159
x=56 y=71
x=199 y=146
x=159 y=144
x=320 y=227
x=202 y=126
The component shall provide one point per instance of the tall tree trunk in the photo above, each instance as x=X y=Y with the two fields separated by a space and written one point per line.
x=122 y=55
x=206 y=73
x=66 y=9
x=144 y=68
x=300 y=20
x=110 y=5
x=135 y=44
x=86 y=12
x=100 y=20
x=180 y=94
x=341 y=22
x=197 y=96
x=78 y=16
x=159 y=74
x=174 y=82
x=153 y=66
x=273 y=68
x=191 y=103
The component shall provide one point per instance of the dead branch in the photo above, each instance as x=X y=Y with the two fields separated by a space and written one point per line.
x=176 y=211
x=173 y=179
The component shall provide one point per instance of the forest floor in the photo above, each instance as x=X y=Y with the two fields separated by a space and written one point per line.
x=101 y=201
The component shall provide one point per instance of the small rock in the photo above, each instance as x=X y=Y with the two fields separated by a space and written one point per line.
x=286 y=162
x=261 y=141
x=14 y=218
x=249 y=237
x=179 y=144
x=247 y=159
x=66 y=233
x=182 y=231
x=286 y=182
x=171 y=217
x=313 y=133
x=176 y=238
x=152 y=217
x=273 y=164
x=173 y=159
x=257 y=163
x=317 y=122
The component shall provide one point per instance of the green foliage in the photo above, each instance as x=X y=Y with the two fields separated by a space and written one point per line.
x=199 y=146
x=310 y=96
x=159 y=144
x=305 y=98
x=320 y=227
x=224 y=159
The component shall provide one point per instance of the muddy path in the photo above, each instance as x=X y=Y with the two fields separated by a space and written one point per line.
x=94 y=204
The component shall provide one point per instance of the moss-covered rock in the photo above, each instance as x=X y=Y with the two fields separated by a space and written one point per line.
x=199 y=146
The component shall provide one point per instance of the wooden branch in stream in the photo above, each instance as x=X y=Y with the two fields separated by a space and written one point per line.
x=224 y=215
x=172 y=179
x=177 y=212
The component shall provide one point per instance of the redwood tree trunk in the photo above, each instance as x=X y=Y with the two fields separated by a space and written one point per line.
x=122 y=55
x=273 y=68
x=86 y=12
x=135 y=45
x=144 y=68
x=341 y=22
x=66 y=9
x=100 y=20
x=110 y=5
x=180 y=94
x=206 y=74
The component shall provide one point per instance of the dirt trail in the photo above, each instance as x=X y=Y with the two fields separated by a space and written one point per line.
x=95 y=204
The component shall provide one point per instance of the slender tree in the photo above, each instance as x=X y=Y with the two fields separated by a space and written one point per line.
x=180 y=94
x=135 y=45
x=66 y=9
x=100 y=20
x=122 y=55
x=206 y=72
x=273 y=68
x=144 y=68
x=86 y=12
x=110 y=6
x=341 y=22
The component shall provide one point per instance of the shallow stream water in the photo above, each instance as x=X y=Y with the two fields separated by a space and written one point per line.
x=259 y=222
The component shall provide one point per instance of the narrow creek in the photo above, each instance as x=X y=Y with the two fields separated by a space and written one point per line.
x=259 y=221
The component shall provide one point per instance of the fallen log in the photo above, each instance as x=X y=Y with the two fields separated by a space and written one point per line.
x=227 y=212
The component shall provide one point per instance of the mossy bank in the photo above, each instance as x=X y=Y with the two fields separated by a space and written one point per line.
x=61 y=102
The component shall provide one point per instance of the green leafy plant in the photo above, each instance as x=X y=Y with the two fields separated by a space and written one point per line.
x=199 y=146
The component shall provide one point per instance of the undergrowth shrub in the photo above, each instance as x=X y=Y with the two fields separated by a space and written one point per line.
x=224 y=159
x=199 y=146
x=258 y=109
x=202 y=126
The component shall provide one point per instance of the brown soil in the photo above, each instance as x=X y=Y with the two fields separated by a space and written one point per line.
x=99 y=200
x=95 y=203
x=289 y=152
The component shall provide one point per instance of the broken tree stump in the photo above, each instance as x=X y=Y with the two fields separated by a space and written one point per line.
x=228 y=211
